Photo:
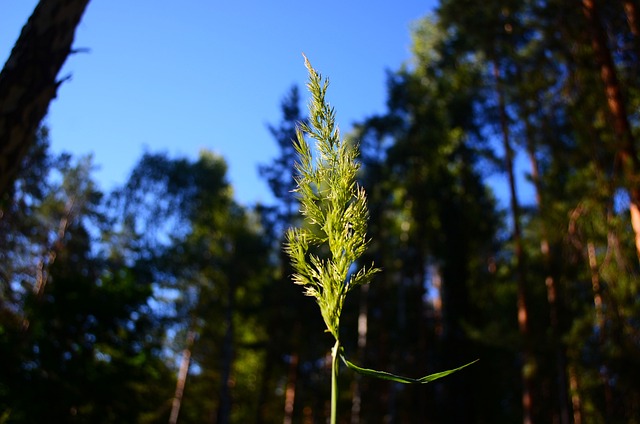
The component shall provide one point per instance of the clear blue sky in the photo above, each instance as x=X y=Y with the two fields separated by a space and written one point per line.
x=181 y=76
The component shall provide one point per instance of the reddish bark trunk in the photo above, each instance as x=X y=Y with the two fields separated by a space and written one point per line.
x=290 y=391
x=550 y=282
x=182 y=378
x=576 y=401
x=633 y=17
x=626 y=150
x=523 y=314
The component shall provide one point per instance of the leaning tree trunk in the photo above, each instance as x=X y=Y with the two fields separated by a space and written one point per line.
x=28 y=80
x=182 y=377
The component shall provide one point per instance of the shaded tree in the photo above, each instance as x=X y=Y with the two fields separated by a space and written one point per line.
x=208 y=260
x=76 y=337
x=421 y=169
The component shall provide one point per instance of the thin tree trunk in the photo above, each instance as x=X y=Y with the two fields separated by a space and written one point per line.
x=523 y=313
x=613 y=251
x=28 y=80
x=267 y=371
x=290 y=391
x=182 y=377
x=550 y=282
x=224 y=408
x=49 y=257
x=626 y=150
x=598 y=305
x=633 y=20
x=436 y=283
x=363 y=321
x=595 y=286
x=292 y=375
x=576 y=402
x=633 y=17
x=42 y=272
x=391 y=414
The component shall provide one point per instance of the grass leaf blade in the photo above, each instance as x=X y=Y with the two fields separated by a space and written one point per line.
x=383 y=375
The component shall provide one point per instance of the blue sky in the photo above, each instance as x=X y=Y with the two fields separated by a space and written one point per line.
x=182 y=76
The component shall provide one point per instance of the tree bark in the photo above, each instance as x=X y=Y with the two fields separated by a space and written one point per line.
x=49 y=257
x=625 y=149
x=595 y=286
x=600 y=322
x=290 y=391
x=633 y=16
x=523 y=313
x=550 y=281
x=576 y=401
x=267 y=371
x=28 y=80
x=224 y=408
x=182 y=377
x=363 y=324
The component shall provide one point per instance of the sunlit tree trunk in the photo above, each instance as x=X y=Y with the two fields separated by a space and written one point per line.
x=28 y=80
x=626 y=150
x=523 y=313
x=595 y=286
x=576 y=401
x=600 y=319
x=182 y=377
x=633 y=17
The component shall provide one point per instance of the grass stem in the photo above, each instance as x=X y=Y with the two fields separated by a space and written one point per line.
x=335 y=370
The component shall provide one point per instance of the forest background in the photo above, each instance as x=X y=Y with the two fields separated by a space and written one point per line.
x=165 y=299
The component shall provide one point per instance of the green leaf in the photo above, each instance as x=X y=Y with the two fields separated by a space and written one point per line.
x=383 y=375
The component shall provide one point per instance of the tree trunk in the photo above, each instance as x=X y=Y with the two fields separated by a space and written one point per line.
x=290 y=391
x=550 y=282
x=595 y=286
x=224 y=408
x=42 y=273
x=262 y=413
x=356 y=397
x=626 y=151
x=28 y=80
x=182 y=377
x=600 y=322
x=49 y=257
x=576 y=401
x=633 y=17
x=523 y=313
